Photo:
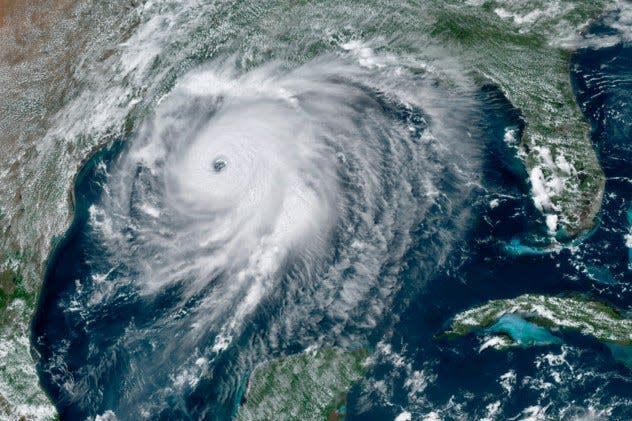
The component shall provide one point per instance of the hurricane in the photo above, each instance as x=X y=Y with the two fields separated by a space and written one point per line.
x=315 y=210
x=256 y=211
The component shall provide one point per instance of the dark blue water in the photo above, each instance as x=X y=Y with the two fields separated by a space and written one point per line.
x=459 y=379
x=567 y=374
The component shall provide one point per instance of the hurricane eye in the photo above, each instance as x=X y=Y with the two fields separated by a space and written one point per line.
x=219 y=164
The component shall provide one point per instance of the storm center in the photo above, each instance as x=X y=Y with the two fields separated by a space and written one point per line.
x=219 y=164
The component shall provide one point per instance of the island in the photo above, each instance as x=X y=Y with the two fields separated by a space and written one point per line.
x=529 y=318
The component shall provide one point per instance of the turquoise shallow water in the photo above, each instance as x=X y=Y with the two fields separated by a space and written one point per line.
x=523 y=332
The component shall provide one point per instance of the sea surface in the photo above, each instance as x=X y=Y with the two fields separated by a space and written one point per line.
x=108 y=345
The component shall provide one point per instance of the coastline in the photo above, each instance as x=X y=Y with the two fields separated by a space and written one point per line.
x=42 y=47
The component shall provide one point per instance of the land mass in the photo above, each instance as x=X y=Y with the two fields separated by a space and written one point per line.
x=589 y=317
x=525 y=48
x=307 y=386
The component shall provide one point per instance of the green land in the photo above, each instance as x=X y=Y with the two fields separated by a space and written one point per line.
x=589 y=317
x=309 y=386
x=523 y=47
